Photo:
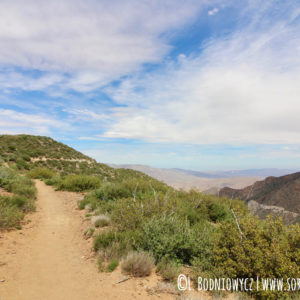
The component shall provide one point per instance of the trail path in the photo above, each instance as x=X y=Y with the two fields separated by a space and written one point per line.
x=49 y=259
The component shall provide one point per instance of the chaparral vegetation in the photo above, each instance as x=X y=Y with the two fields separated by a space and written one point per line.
x=143 y=222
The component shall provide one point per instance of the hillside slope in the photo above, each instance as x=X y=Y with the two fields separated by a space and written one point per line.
x=282 y=192
x=26 y=152
x=132 y=220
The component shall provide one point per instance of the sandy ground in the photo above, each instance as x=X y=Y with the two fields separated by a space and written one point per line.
x=50 y=260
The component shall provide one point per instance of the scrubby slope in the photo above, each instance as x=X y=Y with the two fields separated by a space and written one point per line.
x=147 y=221
x=271 y=194
x=36 y=147
x=25 y=156
x=27 y=152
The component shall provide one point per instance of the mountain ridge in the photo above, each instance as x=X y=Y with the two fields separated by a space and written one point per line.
x=204 y=181
x=283 y=191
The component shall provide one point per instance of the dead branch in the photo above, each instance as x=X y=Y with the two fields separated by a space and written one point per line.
x=238 y=226
x=154 y=193
x=134 y=192
x=122 y=280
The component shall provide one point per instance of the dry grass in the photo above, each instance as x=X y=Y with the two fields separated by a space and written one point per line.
x=113 y=251
x=100 y=220
x=168 y=270
x=138 y=264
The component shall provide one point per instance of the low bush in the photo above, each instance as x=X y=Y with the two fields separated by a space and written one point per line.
x=112 y=191
x=22 y=189
x=41 y=173
x=21 y=164
x=115 y=244
x=113 y=264
x=12 y=208
x=169 y=270
x=79 y=183
x=89 y=232
x=106 y=239
x=26 y=157
x=138 y=264
x=114 y=250
x=172 y=238
x=10 y=214
x=100 y=220
x=53 y=181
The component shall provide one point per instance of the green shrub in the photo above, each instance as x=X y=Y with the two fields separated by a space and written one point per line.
x=265 y=249
x=112 y=191
x=113 y=264
x=138 y=264
x=105 y=239
x=12 y=158
x=26 y=157
x=12 y=148
x=114 y=250
x=12 y=208
x=218 y=211
x=53 y=181
x=21 y=164
x=83 y=203
x=79 y=183
x=114 y=244
x=41 y=173
x=169 y=270
x=89 y=232
x=173 y=238
x=22 y=189
x=10 y=215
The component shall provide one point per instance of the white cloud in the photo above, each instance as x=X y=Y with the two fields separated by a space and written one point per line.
x=95 y=41
x=241 y=89
x=213 y=11
x=10 y=79
x=16 y=122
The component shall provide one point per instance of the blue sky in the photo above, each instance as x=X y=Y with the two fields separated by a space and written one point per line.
x=206 y=85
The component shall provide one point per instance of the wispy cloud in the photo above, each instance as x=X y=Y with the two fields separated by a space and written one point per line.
x=213 y=11
x=88 y=43
x=241 y=89
x=16 y=122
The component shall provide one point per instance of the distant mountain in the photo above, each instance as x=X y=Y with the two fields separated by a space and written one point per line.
x=281 y=194
x=187 y=179
x=239 y=173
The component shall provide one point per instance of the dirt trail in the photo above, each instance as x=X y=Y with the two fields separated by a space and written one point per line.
x=49 y=259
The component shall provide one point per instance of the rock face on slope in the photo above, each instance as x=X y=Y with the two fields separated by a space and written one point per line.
x=278 y=195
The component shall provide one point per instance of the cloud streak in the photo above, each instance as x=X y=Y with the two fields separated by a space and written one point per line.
x=241 y=89
x=18 y=122
x=86 y=43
